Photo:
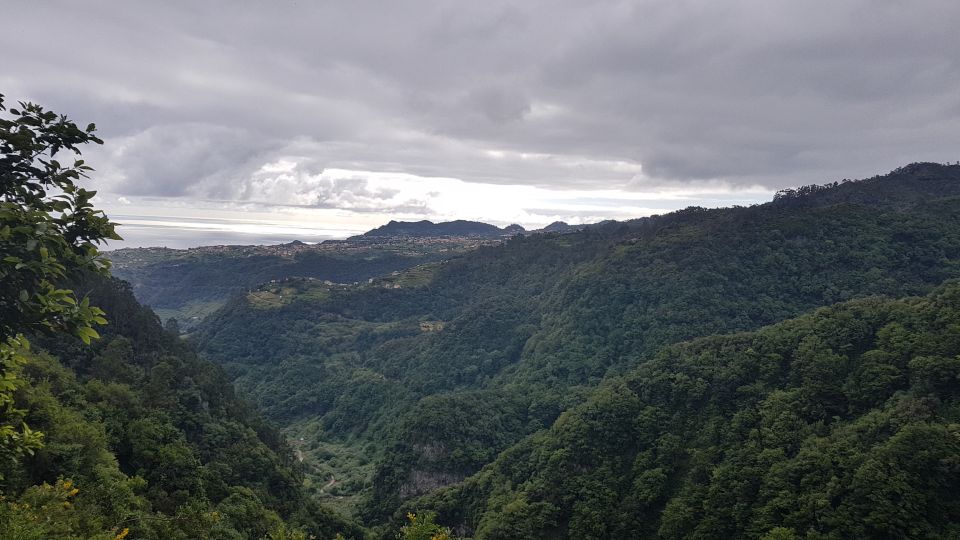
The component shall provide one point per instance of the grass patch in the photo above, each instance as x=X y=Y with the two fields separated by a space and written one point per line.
x=337 y=473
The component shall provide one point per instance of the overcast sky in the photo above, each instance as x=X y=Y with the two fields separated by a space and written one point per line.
x=268 y=121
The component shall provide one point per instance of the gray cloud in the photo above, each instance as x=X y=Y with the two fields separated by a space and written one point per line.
x=175 y=160
x=195 y=97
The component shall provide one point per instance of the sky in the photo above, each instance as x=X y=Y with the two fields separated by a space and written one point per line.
x=264 y=122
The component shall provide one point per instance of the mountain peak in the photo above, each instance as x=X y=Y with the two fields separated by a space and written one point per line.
x=426 y=229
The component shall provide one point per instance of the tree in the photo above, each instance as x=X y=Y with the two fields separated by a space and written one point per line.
x=48 y=227
x=423 y=527
x=49 y=231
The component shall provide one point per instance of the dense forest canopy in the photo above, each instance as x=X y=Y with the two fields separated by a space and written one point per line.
x=844 y=423
x=423 y=378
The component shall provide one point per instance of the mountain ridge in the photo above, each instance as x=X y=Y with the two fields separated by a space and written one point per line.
x=425 y=228
x=454 y=363
x=461 y=228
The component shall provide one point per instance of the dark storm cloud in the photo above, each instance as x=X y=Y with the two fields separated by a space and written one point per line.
x=195 y=97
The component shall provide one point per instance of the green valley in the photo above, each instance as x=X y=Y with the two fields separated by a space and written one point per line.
x=480 y=270
x=425 y=379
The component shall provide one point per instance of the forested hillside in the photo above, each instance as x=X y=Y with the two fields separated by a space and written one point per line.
x=123 y=432
x=844 y=423
x=188 y=284
x=141 y=434
x=416 y=381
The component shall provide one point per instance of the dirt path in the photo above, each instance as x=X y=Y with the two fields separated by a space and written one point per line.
x=330 y=484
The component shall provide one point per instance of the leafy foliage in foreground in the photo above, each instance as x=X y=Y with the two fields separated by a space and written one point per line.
x=844 y=423
x=43 y=239
x=530 y=327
